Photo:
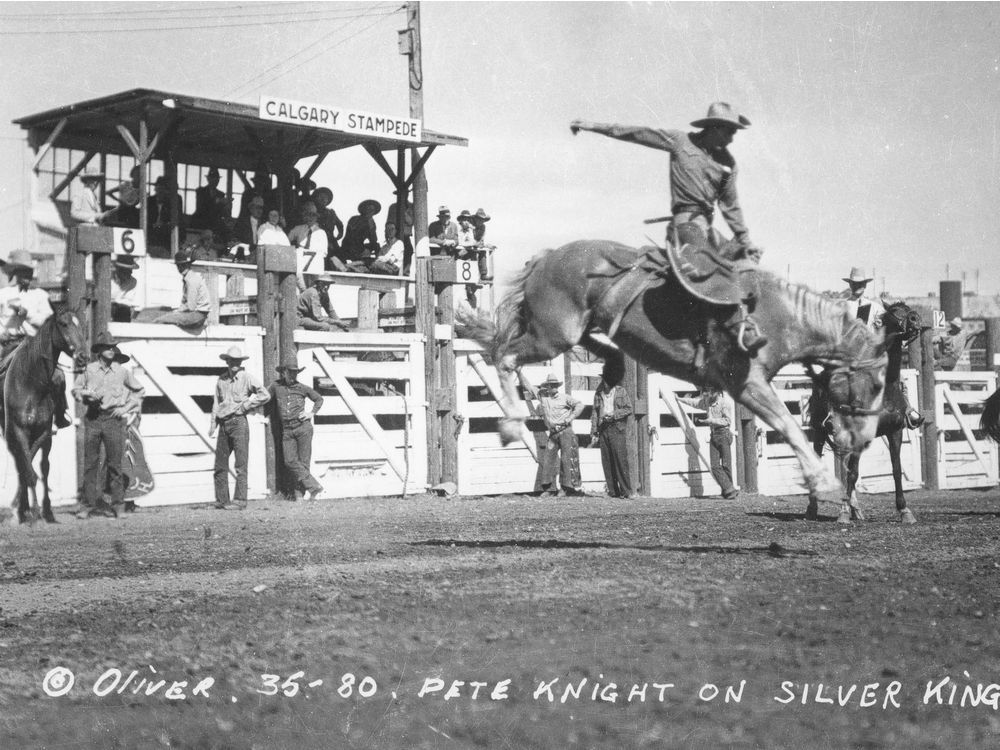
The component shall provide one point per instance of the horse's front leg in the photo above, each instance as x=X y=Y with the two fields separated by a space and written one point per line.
x=895 y=446
x=850 y=509
x=26 y=476
x=758 y=396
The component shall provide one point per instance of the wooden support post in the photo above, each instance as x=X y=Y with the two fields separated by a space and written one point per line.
x=288 y=297
x=212 y=282
x=922 y=352
x=267 y=318
x=993 y=344
x=368 y=309
x=633 y=430
x=446 y=386
x=746 y=445
x=102 y=292
x=76 y=263
x=426 y=319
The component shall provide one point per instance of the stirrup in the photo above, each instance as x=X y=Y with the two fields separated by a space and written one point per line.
x=754 y=346
x=913 y=419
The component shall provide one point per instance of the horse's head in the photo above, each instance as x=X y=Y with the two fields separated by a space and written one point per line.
x=68 y=335
x=854 y=391
x=900 y=319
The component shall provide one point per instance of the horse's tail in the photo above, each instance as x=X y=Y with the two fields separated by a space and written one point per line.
x=989 y=422
x=494 y=331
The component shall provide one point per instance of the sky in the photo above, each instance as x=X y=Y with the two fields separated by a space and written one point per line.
x=874 y=139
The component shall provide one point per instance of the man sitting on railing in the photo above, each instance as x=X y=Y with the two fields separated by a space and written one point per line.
x=390 y=259
x=360 y=242
x=314 y=311
x=195 y=302
x=479 y=220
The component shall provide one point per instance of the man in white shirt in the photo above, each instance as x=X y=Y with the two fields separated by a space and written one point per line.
x=865 y=308
x=124 y=290
x=23 y=310
x=390 y=259
x=86 y=206
x=311 y=242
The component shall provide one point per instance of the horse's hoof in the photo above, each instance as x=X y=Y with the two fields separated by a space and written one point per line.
x=906 y=516
x=856 y=514
x=510 y=430
x=844 y=517
x=812 y=511
x=49 y=517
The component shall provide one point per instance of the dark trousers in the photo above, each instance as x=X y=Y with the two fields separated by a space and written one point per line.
x=614 y=459
x=109 y=431
x=234 y=437
x=296 y=448
x=720 y=458
x=562 y=456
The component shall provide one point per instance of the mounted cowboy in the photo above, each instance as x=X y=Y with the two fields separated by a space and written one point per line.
x=703 y=176
x=867 y=309
x=23 y=309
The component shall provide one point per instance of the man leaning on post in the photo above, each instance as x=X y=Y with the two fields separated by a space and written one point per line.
x=289 y=408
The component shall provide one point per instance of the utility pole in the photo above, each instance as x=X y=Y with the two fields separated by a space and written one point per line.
x=416 y=85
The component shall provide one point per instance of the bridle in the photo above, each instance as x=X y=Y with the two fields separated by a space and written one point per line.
x=853 y=407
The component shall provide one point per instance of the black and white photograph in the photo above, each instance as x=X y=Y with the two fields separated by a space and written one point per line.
x=493 y=374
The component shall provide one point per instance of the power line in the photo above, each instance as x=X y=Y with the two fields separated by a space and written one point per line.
x=214 y=9
x=199 y=27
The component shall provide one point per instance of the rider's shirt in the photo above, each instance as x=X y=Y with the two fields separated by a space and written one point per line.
x=22 y=313
x=698 y=179
x=869 y=310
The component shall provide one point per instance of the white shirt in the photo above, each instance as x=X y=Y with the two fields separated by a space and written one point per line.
x=86 y=209
x=393 y=253
x=271 y=234
x=33 y=309
x=127 y=293
x=873 y=319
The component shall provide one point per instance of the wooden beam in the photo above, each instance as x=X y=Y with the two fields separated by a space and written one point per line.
x=315 y=165
x=375 y=154
x=130 y=141
x=419 y=166
x=49 y=142
x=72 y=174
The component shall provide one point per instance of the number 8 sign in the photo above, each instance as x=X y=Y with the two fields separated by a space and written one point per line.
x=126 y=241
x=467 y=272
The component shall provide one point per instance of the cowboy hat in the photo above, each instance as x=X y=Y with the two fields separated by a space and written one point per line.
x=184 y=257
x=103 y=340
x=369 y=206
x=857 y=276
x=233 y=352
x=91 y=173
x=323 y=191
x=481 y=215
x=465 y=215
x=955 y=322
x=551 y=381
x=19 y=258
x=213 y=172
x=128 y=194
x=324 y=278
x=721 y=113
x=289 y=364
x=125 y=261
x=443 y=210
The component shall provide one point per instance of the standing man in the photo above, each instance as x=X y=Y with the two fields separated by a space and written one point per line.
x=865 y=308
x=124 y=289
x=113 y=398
x=562 y=452
x=195 y=302
x=236 y=393
x=479 y=220
x=608 y=420
x=294 y=416
x=720 y=438
x=23 y=310
x=314 y=311
x=86 y=206
x=443 y=233
x=702 y=176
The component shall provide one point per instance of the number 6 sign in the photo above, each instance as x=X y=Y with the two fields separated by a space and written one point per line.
x=128 y=242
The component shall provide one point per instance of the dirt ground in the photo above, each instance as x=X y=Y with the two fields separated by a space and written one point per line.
x=453 y=623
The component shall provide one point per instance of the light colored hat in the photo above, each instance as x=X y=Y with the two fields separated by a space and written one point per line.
x=19 y=259
x=128 y=194
x=233 y=352
x=183 y=257
x=369 y=206
x=721 y=113
x=443 y=210
x=465 y=215
x=289 y=364
x=857 y=277
x=956 y=322
x=125 y=261
x=551 y=381
x=91 y=173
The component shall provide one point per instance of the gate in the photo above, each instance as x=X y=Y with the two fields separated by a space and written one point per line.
x=966 y=458
x=370 y=437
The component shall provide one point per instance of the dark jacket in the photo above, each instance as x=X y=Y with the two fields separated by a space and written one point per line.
x=623 y=407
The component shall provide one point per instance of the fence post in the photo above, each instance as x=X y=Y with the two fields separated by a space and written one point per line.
x=425 y=322
x=993 y=344
x=746 y=445
x=922 y=351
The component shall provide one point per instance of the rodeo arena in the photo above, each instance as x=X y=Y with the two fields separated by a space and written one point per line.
x=279 y=478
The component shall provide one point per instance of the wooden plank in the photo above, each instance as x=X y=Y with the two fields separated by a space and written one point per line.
x=56 y=131
x=966 y=432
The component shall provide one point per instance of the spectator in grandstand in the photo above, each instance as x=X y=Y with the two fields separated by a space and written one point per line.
x=260 y=186
x=244 y=249
x=404 y=230
x=203 y=246
x=271 y=232
x=720 y=437
x=195 y=302
x=390 y=258
x=314 y=311
x=328 y=220
x=236 y=393
x=126 y=213
x=311 y=243
x=443 y=233
x=162 y=209
x=608 y=419
x=948 y=347
x=479 y=220
x=124 y=289
x=466 y=236
x=86 y=206
x=360 y=243
x=292 y=415
x=561 y=456
x=212 y=208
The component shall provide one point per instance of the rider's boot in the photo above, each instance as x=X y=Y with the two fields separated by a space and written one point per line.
x=748 y=335
x=911 y=416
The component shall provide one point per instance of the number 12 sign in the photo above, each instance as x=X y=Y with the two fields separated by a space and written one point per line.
x=128 y=242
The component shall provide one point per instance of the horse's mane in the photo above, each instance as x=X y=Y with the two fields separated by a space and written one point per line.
x=37 y=348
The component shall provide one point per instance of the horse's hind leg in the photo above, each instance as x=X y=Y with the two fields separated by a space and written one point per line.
x=26 y=477
x=46 y=499
x=523 y=349
x=895 y=445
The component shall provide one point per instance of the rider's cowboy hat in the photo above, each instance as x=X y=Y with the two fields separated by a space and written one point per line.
x=370 y=206
x=481 y=215
x=324 y=278
x=233 y=352
x=551 y=381
x=291 y=365
x=125 y=261
x=857 y=277
x=18 y=259
x=721 y=113
x=105 y=340
x=92 y=173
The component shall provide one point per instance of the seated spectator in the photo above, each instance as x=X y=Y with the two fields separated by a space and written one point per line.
x=314 y=311
x=212 y=207
x=443 y=233
x=271 y=232
x=86 y=207
x=124 y=289
x=260 y=185
x=948 y=347
x=390 y=259
x=133 y=180
x=310 y=241
x=195 y=302
x=328 y=219
x=244 y=237
x=360 y=242
x=203 y=248
x=466 y=237
x=161 y=212
x=126 y=214
x=479 y=220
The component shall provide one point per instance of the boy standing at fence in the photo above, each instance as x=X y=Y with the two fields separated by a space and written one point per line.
x=562 y=452
x=720 y=438
x=236 y=393
x=293 y=416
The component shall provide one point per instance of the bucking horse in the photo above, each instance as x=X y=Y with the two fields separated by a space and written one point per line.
x=614 y=300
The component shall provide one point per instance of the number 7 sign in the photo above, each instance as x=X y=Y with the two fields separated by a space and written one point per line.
x=308 y=261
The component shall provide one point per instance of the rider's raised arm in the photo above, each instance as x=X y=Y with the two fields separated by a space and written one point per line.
x=663 y=140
